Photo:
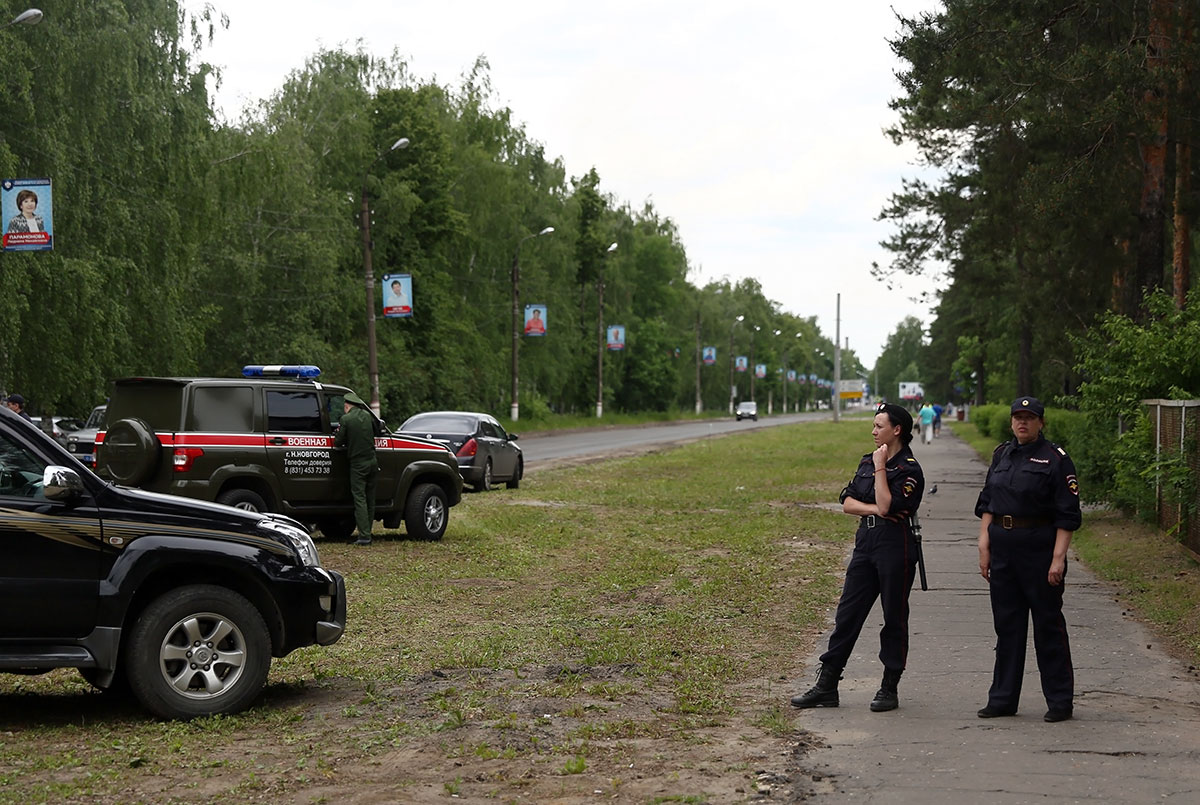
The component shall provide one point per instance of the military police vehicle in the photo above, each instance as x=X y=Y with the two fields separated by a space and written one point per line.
x=181 y=602
x=264 y=442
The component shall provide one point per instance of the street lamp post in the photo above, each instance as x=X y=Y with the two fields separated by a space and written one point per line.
x=731 y=326
x=515 y=411
x=369 y=275
x=30 y=16
x=752 y=367
x=612 y=247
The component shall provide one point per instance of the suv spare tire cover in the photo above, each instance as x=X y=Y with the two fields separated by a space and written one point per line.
x=131 y=451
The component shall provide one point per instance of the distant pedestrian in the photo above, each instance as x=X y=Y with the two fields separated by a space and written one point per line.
x=884 y=494
x=927 y=416
x=1029 y=508
x=356 y=433
x=937 y=420
x=16 y=403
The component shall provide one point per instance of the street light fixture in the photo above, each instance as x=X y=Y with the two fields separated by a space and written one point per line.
x=515 y=410
x=731 y=326
x=612 y=247
x=30 y=16
x=369 y=275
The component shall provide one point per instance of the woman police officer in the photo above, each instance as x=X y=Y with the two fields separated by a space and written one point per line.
x=884 y=494
x=1029 y=506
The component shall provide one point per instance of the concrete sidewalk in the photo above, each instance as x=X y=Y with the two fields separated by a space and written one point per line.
x=1136 y=732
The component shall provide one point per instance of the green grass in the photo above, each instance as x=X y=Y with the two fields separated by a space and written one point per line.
x=624 y=601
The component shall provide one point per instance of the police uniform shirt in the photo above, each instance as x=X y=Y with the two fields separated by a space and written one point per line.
x=1035 y=480
x=904 y=478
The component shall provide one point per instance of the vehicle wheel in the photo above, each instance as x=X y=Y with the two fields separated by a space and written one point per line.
x=336 y=528
x=243 y=499
x=425 y=514
x=515 y=481
x=196 y=651
x=485 y=482
x=131 y=451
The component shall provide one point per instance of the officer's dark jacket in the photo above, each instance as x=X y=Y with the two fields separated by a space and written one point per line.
x=1035 y=480
x=904 y=477
x=357 y=435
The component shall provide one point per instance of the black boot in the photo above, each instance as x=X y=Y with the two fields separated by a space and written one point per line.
x=824 y=693
x=886 y=698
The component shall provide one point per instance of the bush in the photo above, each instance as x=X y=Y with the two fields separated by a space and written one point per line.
x=986 y=419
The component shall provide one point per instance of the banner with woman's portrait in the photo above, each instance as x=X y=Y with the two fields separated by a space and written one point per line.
x=27 y=208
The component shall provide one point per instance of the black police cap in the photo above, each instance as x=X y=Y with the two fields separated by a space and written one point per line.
x=1031 y=404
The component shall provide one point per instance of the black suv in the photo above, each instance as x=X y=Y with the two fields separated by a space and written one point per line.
x=181 y=601
x=264 y=442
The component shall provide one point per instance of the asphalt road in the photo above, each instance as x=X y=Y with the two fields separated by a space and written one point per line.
x=585 y=443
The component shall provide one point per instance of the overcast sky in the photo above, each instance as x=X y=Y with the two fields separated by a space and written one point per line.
x=756 y=127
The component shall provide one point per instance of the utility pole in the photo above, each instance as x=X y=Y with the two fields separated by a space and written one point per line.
x=837 y=361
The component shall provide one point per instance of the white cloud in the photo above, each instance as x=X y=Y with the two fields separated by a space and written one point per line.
x=757 y=127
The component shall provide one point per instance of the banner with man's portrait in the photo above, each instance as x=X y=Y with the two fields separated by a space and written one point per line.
x=397 y=295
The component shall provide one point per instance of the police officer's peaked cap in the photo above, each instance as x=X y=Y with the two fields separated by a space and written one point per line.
x=16 y=399
x=1031 y=404
x=354 y=399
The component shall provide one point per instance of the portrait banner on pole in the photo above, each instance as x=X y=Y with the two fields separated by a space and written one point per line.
x=535 y=320
x=397 y=295
x=27 y=205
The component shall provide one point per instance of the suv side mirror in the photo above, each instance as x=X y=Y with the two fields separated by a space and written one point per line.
x=61 y=483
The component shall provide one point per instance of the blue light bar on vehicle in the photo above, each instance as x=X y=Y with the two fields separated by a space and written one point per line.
x=282 y=370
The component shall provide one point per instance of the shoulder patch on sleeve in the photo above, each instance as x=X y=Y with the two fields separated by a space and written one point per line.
x=910 y=486
x=1073 y=484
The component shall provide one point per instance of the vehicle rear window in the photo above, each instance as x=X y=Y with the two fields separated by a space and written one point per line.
x=223 y=409
x=160 y=405
x=441 y=423
x=293 y=411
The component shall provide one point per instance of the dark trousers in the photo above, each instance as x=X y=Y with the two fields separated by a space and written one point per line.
x=362 y=492
x=883 y=566
x=1020 y=562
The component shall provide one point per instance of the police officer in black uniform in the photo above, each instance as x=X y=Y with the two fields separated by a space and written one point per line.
x=884 y=494
x=1029 y=507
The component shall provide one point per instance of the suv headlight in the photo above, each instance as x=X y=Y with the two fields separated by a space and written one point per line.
x=298 y=538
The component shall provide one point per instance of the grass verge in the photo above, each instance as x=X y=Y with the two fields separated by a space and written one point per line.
x=602 y=627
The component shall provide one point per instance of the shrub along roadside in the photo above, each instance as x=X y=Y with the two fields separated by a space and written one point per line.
x=1155 y=575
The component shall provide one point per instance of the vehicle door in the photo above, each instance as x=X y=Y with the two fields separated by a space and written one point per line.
x=300 y=446
x=50 y=551
x=504 y=453
x=386 y=452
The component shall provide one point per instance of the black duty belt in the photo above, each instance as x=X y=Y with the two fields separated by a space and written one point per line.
x=872 y=520
x=1007 y=521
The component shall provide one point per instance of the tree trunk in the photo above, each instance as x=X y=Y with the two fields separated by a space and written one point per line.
x=1182 y=246
x=1152 y=210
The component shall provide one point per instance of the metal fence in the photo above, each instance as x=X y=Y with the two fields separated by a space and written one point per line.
x=1177 y=434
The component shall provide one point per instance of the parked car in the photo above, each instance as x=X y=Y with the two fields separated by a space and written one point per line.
x=747 y=410
x=60 y=427
x=82 y=442
x=484 y=451
x=264 y=442
x=183 y=602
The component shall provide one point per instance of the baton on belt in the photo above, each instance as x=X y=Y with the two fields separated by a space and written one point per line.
x=915 y=524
